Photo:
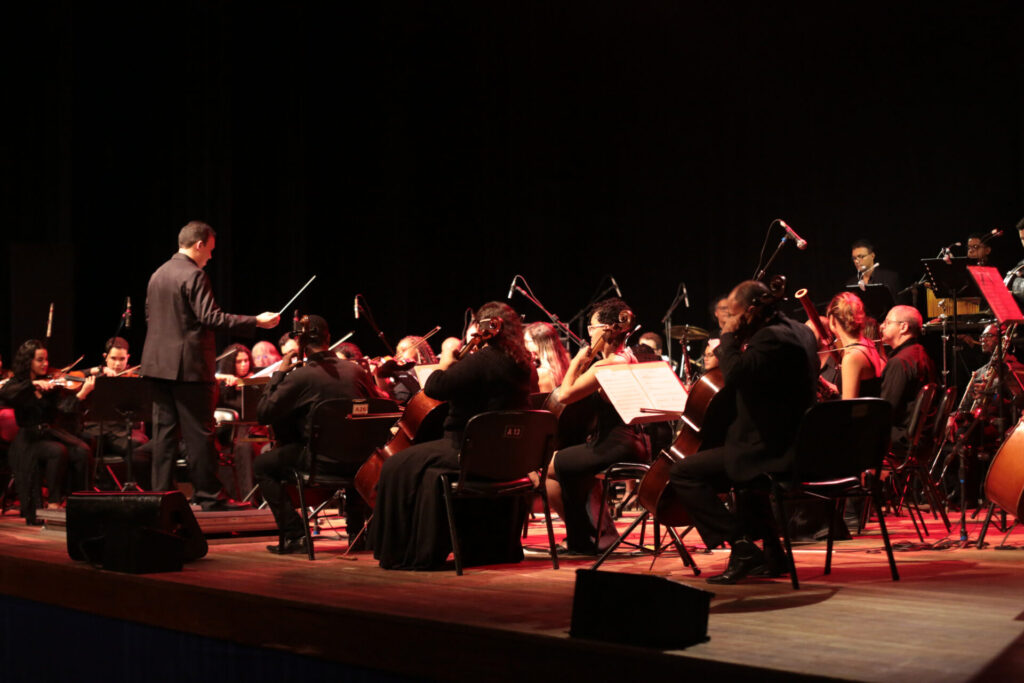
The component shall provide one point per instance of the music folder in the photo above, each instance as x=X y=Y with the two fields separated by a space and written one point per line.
x=999 y=299
x=643 y=392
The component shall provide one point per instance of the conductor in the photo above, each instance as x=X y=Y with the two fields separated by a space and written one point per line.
x=178 y=359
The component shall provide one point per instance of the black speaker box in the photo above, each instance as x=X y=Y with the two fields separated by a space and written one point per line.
x=638 y=609
x=133 y=532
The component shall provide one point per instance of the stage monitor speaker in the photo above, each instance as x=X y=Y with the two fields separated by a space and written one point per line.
x=638 y=609
x=133 y=532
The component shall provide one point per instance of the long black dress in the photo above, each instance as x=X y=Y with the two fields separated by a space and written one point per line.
x=409 y=528
x=45 y=437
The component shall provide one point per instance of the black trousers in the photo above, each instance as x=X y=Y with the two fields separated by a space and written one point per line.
x=270 y=470
x=187 y=406
x=64 y=457
x=699 y=479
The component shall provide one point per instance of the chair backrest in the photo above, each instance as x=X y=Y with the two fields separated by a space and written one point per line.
x=946 y=404
x=344 y=432
x=921 y=415
x=507 y=444
x=839 y=439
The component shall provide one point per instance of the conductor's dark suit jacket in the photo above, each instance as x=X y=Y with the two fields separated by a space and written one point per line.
x=773 y=381
x=182 y=317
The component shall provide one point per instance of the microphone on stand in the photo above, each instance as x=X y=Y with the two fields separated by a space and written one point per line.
x=128 y=313
x=801 y=243
x=686 y=297
x=355 y=307
x=996 y=232
x=512 y=287
x=615 y=285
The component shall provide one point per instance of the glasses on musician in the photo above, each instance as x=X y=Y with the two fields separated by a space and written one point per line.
x=591 y=328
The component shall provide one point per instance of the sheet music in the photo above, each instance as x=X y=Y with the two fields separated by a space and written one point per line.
x=1004 y=306
x=652 y=385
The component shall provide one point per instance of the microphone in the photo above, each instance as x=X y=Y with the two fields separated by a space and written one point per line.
x=947 y=255
x=128 y=313
x=686 y=297
x=615 y=285
x=801 y=243
x=355 y=307
x=996 y=232
x=512 y=287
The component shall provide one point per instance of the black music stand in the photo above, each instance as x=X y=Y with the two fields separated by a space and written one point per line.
x=949 y=279
x=122 y=399
x=1008 y=313
x=877 y=298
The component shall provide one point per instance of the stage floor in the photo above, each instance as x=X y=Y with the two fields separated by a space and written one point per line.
x=955 y=615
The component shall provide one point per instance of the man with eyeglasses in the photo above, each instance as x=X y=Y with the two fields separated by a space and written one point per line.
x=870 y=272
x=909 y=367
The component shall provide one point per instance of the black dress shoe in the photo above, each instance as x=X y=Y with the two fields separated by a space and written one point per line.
x=289 y=547
x=776 y=563
x=745 y=559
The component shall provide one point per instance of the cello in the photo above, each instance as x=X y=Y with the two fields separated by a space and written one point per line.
x=709 y=409
x=422 y=420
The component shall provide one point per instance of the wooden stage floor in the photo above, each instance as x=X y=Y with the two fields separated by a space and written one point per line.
x=955 y=615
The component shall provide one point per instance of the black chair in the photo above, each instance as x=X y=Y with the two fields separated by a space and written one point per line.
x=343 y=434
x=911 y=478
x=839 y=451
x=503 y=453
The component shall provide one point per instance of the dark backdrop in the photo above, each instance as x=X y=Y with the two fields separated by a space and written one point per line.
x=422 y=153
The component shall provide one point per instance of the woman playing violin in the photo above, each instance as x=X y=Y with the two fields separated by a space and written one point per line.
x=409 y=528
x=232 y=368
x=551 y=357
x=572 y=488
x=40 y=403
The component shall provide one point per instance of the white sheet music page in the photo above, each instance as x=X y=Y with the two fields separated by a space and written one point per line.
x=652 y=385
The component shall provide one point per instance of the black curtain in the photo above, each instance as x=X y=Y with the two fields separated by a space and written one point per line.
x=422 y=153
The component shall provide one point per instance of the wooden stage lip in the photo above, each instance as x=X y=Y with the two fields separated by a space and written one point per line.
x=956 y=615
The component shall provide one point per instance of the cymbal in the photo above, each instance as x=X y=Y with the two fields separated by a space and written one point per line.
x=687 y=332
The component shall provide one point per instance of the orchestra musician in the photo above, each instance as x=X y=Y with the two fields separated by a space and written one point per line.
x=264 y=354
x=573 y=491
x=869 y=271
x=860 y=372
x=115 y=435
x=551 y=357
x=409 y=528
x=978 y=247
x=770 y=368
x=237 y=364
x=178 y=359
x=909 y=367
x=47 y=415
x=289 y=397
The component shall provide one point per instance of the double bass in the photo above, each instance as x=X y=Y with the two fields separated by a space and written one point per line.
x=423 y=419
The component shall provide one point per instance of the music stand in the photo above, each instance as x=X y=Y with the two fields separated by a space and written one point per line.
x=122 y=399
x=877 y=298
x=950 y=279
x=1008 y=313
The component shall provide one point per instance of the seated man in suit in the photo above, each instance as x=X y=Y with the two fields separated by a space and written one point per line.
x=909 y=367
x=286 y=403
x=770 y=367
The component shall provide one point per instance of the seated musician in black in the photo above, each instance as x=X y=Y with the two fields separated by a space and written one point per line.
x=47 y=415
x=909 y=368
x=572 y=489
x=115 y=435
x=285 y=405
x=409 y=528
x=770 y=367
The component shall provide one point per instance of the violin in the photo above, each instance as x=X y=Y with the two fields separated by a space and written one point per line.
x=486 y=328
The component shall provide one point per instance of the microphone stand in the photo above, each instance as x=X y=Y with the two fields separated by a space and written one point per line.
x=563 y=327
x=764 y=271
x=373 y=324
x=583 y=311
x=666 y=320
